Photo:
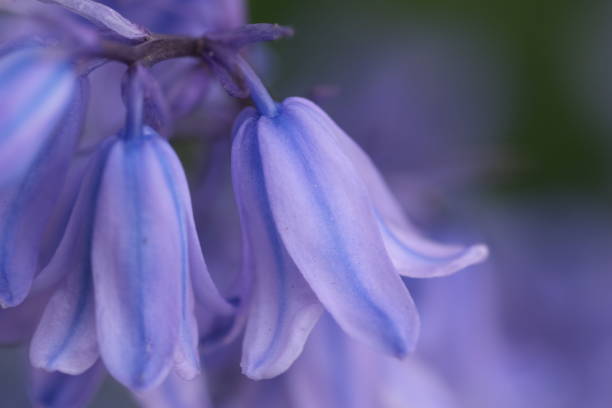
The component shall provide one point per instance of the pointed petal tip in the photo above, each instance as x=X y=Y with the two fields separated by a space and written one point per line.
x=60 y=364
x=12 y=293
x=280 y=352
x=187 y=368
x=8 y=300
x=396 y=338
x=402 y=346
x=470 y=256
x=258 y=372
x=476 y=254
x=188 y=372
x=51 y=366
x=142 y=381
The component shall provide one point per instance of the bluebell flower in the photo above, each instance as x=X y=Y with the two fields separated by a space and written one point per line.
x=133 y=266
x=322 y=231
x=39 y=129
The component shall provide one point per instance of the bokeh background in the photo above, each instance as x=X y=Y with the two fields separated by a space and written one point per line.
x=491 y=122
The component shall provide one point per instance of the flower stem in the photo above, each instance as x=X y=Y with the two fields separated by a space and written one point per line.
x=259 y=94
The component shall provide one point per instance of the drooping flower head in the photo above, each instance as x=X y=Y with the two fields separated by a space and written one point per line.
x=133 y=265
x=322 y=231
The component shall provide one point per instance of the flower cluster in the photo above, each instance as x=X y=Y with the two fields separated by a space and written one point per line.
x=101 y=264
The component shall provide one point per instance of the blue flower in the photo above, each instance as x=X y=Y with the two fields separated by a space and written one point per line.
x=322 y=231
x=39 y=129
x=133 y=264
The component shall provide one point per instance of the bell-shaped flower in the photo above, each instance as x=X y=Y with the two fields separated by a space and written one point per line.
x=133 y=267
x=40 y=121
x=322 y=231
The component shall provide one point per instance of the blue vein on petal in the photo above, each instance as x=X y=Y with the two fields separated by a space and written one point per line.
x=17 y=207
x=379 y=218
x=16 y=67
x=180 y=217
x=293 y=133
x=52 y=390
x=44 y=93
x=255 y=164
x=86 y=286
x=397 y=241
x=133 y=151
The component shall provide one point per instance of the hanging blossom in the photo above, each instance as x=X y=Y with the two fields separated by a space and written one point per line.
x=133 y=263
x=109 y=237
x=322 y=231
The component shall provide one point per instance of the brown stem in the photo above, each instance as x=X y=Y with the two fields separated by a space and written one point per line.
x=158 y=48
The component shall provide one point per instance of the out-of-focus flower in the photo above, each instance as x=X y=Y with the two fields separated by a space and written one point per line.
x=133 y=263
x=193 y=17
x=57 y=390
x=531 y=327
x=336 y=371
x=176 y=392
x=38 y=133
x=321 y=229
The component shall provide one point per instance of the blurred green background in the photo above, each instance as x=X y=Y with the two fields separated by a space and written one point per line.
x=542 y=44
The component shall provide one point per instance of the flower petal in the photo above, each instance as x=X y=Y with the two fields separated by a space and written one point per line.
x=283 y=309
x=194 y=273
x=38 y=134
x=105 y=16
x=55 y=229
x=417 y=257
x=138 y=250
x=57 y=390
x=65 y=339
x=412 y=254
x=42 y=89
x=324 y=215
x=187 y=360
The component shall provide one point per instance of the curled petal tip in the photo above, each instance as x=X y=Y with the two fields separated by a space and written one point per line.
x=8 y=298
x=475 y=254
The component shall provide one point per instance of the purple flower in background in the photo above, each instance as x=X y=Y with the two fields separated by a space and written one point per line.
x=192 y=17
x=322 y=230
x=57 y=390
x=38 y=134
x=176 y=392
x=336 y=371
